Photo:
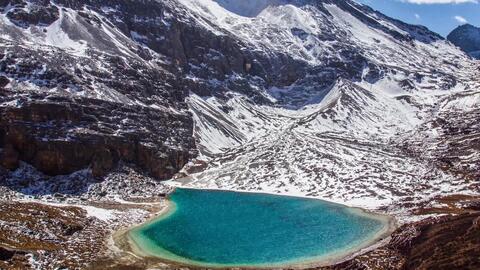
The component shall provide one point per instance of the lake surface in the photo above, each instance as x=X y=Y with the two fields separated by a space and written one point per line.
x=224 y=229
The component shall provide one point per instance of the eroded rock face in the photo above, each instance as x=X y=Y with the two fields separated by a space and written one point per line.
x=74 y=126
x=60 y=137
x=9 y=157
x=113 y=100
x=24 y=13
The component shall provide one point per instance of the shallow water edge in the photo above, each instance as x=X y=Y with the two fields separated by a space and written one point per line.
x=133 y=245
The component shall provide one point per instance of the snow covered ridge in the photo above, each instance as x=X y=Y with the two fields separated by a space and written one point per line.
x=349 y=128
x=306 y=29
x=320 y=98
x=248 y=8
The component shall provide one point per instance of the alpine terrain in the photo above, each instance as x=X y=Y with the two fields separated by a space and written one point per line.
x=107 y=105
x=467 y=37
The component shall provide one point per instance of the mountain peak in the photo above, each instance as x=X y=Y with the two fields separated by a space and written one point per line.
x=467 y=37
x=246 y=8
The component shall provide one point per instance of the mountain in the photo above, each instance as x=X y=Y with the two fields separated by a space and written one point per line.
x=100 y=100
x=467 y=37
x=365 y=100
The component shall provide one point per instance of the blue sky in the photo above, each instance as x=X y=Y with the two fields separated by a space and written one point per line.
x=441 y=16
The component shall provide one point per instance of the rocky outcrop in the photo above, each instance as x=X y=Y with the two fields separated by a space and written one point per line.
x=6 y=254
x=60 y=133
x=63 y=111
x=60 y=137
x=41 y=12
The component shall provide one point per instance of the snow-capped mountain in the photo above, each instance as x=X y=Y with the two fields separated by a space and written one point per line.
x=321 y=98
x=101 y=99
x=467 y=37
x=355 y=118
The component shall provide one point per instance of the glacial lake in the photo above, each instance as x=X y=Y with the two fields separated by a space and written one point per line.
x=235 y=229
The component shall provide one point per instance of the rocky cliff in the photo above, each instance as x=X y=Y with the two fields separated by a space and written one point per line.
x=77 y=93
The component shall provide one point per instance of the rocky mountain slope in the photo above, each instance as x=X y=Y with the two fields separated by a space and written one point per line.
x=100 y=99
x=78 y=93
x=356 y=120
x=467 y=37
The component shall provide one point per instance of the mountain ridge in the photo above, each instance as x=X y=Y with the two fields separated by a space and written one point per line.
x=103 y=100
x=347 y=49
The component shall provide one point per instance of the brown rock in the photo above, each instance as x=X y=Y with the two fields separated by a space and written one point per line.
x=103 y=161
x=9 y=157
x=448 y=242
x=452 y=243
x=41 y=134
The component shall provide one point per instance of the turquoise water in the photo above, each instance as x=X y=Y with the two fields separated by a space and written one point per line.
x=221 y=228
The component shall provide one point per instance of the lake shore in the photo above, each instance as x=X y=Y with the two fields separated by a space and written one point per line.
x=131 y=244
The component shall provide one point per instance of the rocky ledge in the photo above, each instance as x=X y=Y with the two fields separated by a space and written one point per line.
x=63 y=135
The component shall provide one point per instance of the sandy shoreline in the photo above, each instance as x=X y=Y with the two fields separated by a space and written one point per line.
x=124 y=240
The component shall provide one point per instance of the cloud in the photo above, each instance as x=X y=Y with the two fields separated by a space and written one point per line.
x=417 y=16
x=460 y=19
x=440 y=1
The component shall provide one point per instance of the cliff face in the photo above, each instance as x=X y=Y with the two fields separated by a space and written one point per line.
x=69 y=105
x=61 y=136
x=467 y=37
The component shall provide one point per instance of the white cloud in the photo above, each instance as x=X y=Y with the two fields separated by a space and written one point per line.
x=441 y=1
x=417 y=16
x=460 y=19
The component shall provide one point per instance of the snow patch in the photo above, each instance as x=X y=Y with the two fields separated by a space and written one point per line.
x=246 y=8
x=100 y=213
